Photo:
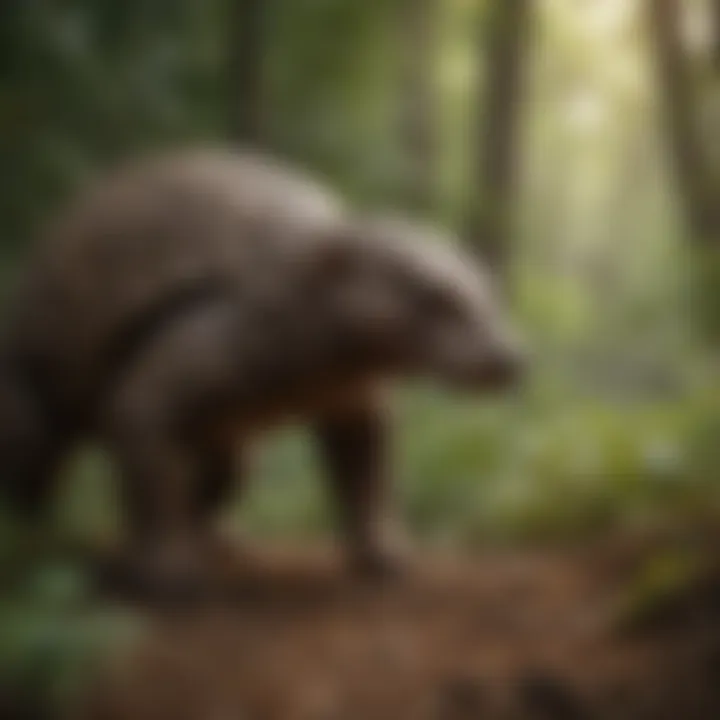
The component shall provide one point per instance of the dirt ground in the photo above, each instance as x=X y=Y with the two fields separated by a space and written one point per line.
x=498 y=635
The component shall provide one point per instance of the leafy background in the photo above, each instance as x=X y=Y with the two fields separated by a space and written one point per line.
x=618 y=424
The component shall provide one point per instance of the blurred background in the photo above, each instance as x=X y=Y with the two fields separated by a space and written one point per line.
x=574 y=142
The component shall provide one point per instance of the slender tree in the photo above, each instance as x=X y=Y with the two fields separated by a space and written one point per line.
x=245 y=70
x=505 y=40
x=715 y=10
x=418 y=21
x=680 y=115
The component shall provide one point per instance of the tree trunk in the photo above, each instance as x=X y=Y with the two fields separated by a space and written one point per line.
x=680 y=107
x=491 y=218
x=245 y=71
x=715 y=19
x=418 y=127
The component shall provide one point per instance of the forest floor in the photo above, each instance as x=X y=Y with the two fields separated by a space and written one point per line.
x=504 y=634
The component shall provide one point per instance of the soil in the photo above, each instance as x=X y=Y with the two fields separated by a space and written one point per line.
x=504 y=634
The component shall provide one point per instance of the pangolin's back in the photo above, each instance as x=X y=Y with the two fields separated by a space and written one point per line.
x=150 y=232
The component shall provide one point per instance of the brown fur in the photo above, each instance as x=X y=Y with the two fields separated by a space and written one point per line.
x=192 y=301
x=152 y=230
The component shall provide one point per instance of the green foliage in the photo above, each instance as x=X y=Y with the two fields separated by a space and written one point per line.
x=661 y=586
x=331 y=97
x=619 y=421
x=53 y=639
x=538 y=466
x=706 y=295
x=84 y=83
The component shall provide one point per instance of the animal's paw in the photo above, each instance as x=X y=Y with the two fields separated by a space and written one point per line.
x=386 y=556
x=168 y=573
x=226 y=552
